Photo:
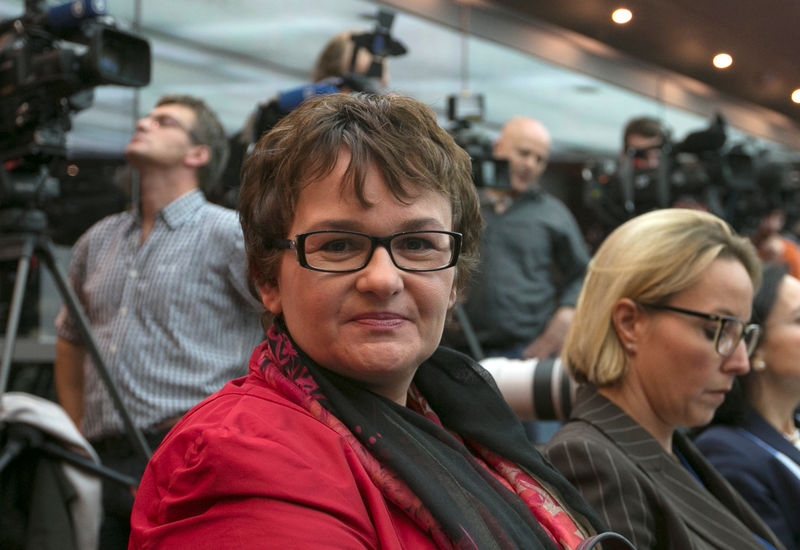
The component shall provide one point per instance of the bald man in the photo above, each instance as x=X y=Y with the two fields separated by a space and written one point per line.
x=525 y=143
x=533 y=255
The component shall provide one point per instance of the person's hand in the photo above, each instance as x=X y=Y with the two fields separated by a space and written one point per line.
x=550 y=341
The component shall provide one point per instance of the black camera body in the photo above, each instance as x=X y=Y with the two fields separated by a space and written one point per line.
x=50 y=62
x=694 y=172
x=487 y=171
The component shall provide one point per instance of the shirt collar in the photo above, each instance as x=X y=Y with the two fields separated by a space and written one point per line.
x=183 y=208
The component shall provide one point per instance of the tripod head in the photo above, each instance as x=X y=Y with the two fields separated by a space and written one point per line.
x=22 y=192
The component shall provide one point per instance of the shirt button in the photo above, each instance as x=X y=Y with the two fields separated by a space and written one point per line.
x=123 y=310
x=112 y=348
x=133 y=273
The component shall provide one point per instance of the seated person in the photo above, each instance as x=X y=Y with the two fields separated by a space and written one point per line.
x=754 y=439
x=353 y=428
x=657 y=340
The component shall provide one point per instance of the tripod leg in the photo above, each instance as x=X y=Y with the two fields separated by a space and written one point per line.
x=14 y=311
x=82 y=323
x=469 y=334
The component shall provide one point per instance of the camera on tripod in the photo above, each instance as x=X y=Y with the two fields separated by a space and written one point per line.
x=487 y=171
x=696 y=171
x=50 y=62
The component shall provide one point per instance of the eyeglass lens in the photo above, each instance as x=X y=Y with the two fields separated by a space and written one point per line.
x=342 y=251
x=732 y=332
x=165 y=121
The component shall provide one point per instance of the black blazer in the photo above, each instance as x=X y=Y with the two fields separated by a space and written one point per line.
x=645 y=494
x=768 y=485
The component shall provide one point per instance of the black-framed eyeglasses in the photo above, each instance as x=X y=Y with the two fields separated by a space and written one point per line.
x=347 y=251
x=730 y=330
x=168 y=121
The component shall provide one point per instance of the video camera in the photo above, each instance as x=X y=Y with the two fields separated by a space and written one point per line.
x=50 y=61
x=487 y=171
x=695 y=171
x=379 y=43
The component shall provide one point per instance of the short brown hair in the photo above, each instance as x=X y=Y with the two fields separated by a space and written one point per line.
x=643 y=126
x=398 y=135
x=208 y=131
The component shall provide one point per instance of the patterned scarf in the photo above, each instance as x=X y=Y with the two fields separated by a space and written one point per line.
x=467 y=476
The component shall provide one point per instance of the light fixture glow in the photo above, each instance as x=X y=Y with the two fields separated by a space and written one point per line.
x=621 y=16
x=722 y=61
x=796 y=95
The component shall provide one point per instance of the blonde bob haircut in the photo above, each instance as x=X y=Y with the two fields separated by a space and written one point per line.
x=648 y=259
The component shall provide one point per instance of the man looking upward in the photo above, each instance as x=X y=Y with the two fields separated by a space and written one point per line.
x=165 y=291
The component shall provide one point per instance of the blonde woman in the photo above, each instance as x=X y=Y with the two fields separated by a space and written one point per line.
x=659 y=334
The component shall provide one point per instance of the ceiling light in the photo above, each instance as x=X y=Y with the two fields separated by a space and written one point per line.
x=722 y=61
x=621 y=16
x=796 y=95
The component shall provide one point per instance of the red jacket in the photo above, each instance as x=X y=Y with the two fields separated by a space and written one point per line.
x=288 y=482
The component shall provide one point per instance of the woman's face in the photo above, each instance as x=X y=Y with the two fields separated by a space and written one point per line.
x=780 y=347
x=676 y=374
x=378 y=324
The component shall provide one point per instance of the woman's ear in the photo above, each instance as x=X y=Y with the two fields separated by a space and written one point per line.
x=625 y=315
x=271 y=298
x=757 y=362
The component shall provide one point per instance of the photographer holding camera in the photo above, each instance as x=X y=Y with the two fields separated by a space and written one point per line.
x=351 y=61
x=532 y=255
x=165 y=290
x=653 y=172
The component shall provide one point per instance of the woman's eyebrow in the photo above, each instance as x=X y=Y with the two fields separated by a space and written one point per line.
x=414 y=224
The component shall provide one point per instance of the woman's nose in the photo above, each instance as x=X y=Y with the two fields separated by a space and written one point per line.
x=380 y=276
x=737 y=363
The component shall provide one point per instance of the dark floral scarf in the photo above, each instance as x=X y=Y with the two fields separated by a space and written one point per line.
x=467 y=476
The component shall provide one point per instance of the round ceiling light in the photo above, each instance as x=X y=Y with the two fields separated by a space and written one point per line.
x=722 y=61
x=621 y=16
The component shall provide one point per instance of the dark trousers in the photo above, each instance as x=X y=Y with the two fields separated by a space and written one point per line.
x=118 y=453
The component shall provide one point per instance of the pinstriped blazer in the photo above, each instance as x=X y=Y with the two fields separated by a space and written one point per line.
x=645 y=494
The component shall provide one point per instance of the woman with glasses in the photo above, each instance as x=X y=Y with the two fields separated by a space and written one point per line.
x=754 y=440
x=353 y=428
x=659 y=335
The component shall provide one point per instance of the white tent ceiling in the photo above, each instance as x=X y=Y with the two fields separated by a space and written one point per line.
x=236 y=53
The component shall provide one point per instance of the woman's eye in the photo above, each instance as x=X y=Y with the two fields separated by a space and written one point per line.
x=710 y=332
x=416 y=243
x=338 y=245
